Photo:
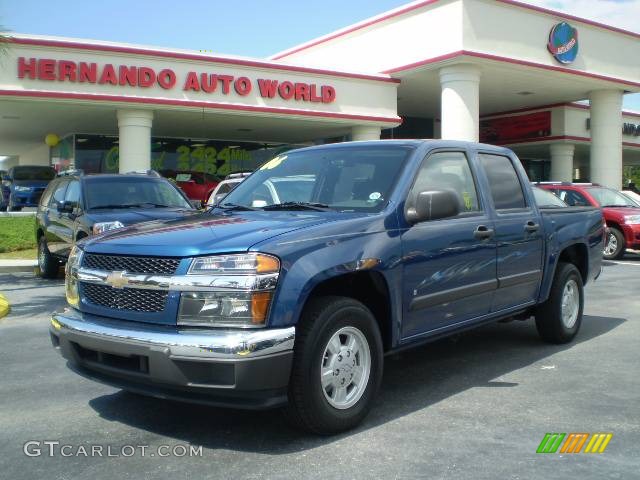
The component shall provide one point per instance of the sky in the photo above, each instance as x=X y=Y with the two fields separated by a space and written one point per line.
x=253 y=28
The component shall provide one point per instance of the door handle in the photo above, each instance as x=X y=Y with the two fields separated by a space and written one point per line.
x=531 y=227
x=483 y=232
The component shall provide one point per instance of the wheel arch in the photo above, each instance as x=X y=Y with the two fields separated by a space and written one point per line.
x=368 y=287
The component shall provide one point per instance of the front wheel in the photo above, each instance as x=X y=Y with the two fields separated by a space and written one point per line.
x=337 y=366
x=47 y=264
x=615 y=246
x=559 y=318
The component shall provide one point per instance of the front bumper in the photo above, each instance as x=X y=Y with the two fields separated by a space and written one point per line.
x=631 y=235
x=231 y=368
x=30 y=198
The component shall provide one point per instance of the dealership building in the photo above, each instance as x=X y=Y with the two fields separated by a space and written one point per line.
x=546 y=84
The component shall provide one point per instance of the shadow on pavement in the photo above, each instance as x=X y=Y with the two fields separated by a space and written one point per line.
x=413 y=380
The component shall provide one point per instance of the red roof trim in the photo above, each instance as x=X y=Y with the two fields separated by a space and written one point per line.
x=487 y=56
x=552 y=105
x=190 y=56
x=561 y=137
x=195 y=103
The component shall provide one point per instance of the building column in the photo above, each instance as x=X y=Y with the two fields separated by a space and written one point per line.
x=606 y=137
x=135 y=139
x=365 y=132
x=460 y=102
x=562 y=162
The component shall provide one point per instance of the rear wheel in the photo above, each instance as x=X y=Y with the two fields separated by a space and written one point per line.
x=558 y=320
x=615 y=246
x=47 y=264
x=337 y=366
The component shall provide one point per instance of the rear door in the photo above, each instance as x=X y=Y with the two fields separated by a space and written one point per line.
x=54 y=226
x=518 y=234
x=68 y=219
x=449 y=265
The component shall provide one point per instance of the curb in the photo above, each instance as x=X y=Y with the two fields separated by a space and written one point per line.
x=4 y=306
x=17 y=268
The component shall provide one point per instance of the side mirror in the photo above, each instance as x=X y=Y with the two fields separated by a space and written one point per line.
x=433 y=205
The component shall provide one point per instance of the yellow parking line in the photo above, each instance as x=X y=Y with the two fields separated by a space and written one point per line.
x=4 y=306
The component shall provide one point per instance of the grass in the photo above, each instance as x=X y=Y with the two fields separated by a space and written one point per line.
x=17 y=233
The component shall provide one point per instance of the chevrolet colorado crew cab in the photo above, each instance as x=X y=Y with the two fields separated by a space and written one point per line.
x=262 y=304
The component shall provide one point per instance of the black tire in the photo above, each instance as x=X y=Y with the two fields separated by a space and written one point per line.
x=549 y=316
x=47 y=263
x=15 y=209
x=619 y=251
x=3 y=208
x=308 y=407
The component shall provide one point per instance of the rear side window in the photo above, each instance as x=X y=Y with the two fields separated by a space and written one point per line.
x=506 y=189
x=573 y=198
x=58 y=193
x=46 y=196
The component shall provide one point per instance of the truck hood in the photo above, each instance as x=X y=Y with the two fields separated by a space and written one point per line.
x=132 y=216
x=205 y=233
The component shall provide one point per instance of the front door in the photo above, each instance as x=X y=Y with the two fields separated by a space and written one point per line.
x=449 y=264
x=518 y=235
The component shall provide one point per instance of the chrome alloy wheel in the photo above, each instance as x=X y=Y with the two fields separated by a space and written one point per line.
x=612 y=245
x=42 y=256
x=345 y=369
x=570 y=303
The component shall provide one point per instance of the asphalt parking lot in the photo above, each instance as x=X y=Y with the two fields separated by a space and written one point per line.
x=473 y=407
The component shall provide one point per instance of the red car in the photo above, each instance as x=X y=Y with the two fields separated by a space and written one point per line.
x=620 y=212
x=196 y=185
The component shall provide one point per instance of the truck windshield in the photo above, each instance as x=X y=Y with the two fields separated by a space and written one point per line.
x=607 y=197
x=34 y=173
x=131 y=192
x=346 y=179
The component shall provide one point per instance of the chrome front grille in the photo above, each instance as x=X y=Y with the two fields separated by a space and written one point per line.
x=131 y=299
x=146 y=265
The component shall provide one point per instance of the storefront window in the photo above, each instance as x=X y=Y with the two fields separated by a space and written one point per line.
x=100 y=154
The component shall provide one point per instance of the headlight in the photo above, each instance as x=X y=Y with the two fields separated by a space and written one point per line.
x=102 y=227
x=19 y=188
x=71 y=279
x=230 y=308
x=249 y=263
x=632 y=219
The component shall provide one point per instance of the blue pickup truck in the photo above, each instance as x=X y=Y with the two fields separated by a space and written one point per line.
x=294 y=302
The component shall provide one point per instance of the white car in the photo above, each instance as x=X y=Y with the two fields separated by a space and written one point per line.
x=632 y=195
x=224 y=187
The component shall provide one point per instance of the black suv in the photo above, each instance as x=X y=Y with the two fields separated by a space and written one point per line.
x=75 y=206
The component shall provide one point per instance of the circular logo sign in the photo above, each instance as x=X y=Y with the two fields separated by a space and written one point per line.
x=563 y=42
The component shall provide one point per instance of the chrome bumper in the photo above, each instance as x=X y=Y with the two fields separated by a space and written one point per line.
x=220 y=344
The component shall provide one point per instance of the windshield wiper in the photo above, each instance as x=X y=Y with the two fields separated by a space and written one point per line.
x=319 y=207
x=619 y=206
x=134 y=205
x=235 y=206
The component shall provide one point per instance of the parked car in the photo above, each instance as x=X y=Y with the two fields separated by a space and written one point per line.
x=24 y=185
x=196 y=185
x=620 y=212
x=295 y=304
x=546 y=199
x=4 y=191
x=633 y=196
x=230 y=182
x=76 y=206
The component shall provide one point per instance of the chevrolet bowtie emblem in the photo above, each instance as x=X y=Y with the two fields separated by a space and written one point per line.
x=117 y=280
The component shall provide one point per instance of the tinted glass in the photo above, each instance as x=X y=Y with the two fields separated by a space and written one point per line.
x=546 y=199
x=73 y=192
x=607 y=197
x=506 y=189
x=34 y=173
x=46 y=196
x=130 y=192
x=58 y=193
x=345 y=178
x=447 y=171
x=573 y=198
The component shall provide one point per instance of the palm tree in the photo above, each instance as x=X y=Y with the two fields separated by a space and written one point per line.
x=4 y=40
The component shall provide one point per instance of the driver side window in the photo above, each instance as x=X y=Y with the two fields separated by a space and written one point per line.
x=447 y=171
